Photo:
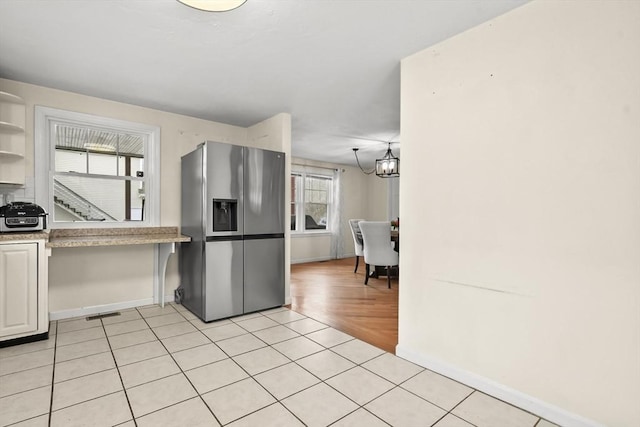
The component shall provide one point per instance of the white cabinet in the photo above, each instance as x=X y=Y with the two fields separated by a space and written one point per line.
x=12 y=140
x=23 y=289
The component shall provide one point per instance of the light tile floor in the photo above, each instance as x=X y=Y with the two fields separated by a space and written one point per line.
x=155 y=366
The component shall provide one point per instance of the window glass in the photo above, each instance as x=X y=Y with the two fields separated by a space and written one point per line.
x=96 y=174
x=106 y=200
x=294 y=200
x=84 y=149
x=316 y=197
x=101 y=170
x=310 y=202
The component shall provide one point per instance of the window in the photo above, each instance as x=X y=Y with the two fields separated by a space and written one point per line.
x=96 y=170
x=310 y=202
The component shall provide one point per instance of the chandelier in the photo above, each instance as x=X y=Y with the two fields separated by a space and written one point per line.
x=386 y=167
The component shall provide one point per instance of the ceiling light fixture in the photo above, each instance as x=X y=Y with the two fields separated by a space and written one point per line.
x=386 y=167
x=213 y=5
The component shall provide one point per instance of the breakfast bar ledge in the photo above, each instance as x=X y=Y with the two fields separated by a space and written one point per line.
x=164 y=239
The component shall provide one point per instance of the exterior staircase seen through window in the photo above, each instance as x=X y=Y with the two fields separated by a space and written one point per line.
x=77 y=205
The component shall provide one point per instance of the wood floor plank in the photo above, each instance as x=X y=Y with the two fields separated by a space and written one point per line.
x=332 y=293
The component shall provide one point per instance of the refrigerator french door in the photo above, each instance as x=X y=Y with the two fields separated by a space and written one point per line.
x=263 y=229
x=233 y=209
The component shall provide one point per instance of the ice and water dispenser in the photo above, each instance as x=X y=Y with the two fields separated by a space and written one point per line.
x=225 y=215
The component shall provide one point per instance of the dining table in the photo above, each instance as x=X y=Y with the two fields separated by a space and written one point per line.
x=395 y=238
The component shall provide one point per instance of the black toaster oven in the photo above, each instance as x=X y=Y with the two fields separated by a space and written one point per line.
x=21 y=217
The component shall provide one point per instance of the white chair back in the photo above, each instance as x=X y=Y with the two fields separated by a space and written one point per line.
x=357 y=237
x=377 y=250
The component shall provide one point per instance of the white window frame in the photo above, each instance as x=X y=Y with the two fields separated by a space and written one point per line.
x=300 y=207
x=46 y=118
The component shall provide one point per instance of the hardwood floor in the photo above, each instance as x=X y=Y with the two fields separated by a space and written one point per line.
x=330 y=292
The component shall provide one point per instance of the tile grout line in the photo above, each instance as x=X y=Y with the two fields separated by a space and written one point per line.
x=499 y=400
x=113 y=356
x=53 y=375
x=359 y=406
x=427 y=400
x=356 y=410
x=473 y=390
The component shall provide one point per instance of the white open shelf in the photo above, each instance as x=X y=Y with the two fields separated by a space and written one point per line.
x=12 y=140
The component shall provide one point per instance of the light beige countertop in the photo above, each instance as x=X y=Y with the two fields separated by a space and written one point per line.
x=28 y=235
x=85 y=237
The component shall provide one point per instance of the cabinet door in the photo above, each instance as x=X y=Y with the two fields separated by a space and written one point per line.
x=18 y=288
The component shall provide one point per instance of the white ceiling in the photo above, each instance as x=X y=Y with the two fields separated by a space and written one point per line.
x=333 y=65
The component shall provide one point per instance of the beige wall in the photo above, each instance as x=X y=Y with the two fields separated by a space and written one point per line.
x=310 y=248
x=98 y=276
x=521 y=265
x=364 y=196
x=377 y=202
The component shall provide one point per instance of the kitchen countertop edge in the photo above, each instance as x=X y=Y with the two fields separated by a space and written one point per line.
x=88 y=237
x=27 y=235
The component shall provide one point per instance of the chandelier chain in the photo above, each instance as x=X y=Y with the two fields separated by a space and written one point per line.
x=355 y=151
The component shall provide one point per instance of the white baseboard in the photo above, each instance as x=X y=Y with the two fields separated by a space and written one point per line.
x=104 y=308
x=528 y=403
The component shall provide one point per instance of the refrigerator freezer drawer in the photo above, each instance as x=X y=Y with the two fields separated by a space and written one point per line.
x=223 y=280
x=263 y=274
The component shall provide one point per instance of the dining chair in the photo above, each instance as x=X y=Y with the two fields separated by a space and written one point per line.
x=357 y=240
x=377 y=251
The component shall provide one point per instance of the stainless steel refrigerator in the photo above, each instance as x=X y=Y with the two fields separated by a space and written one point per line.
x=233 y=210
